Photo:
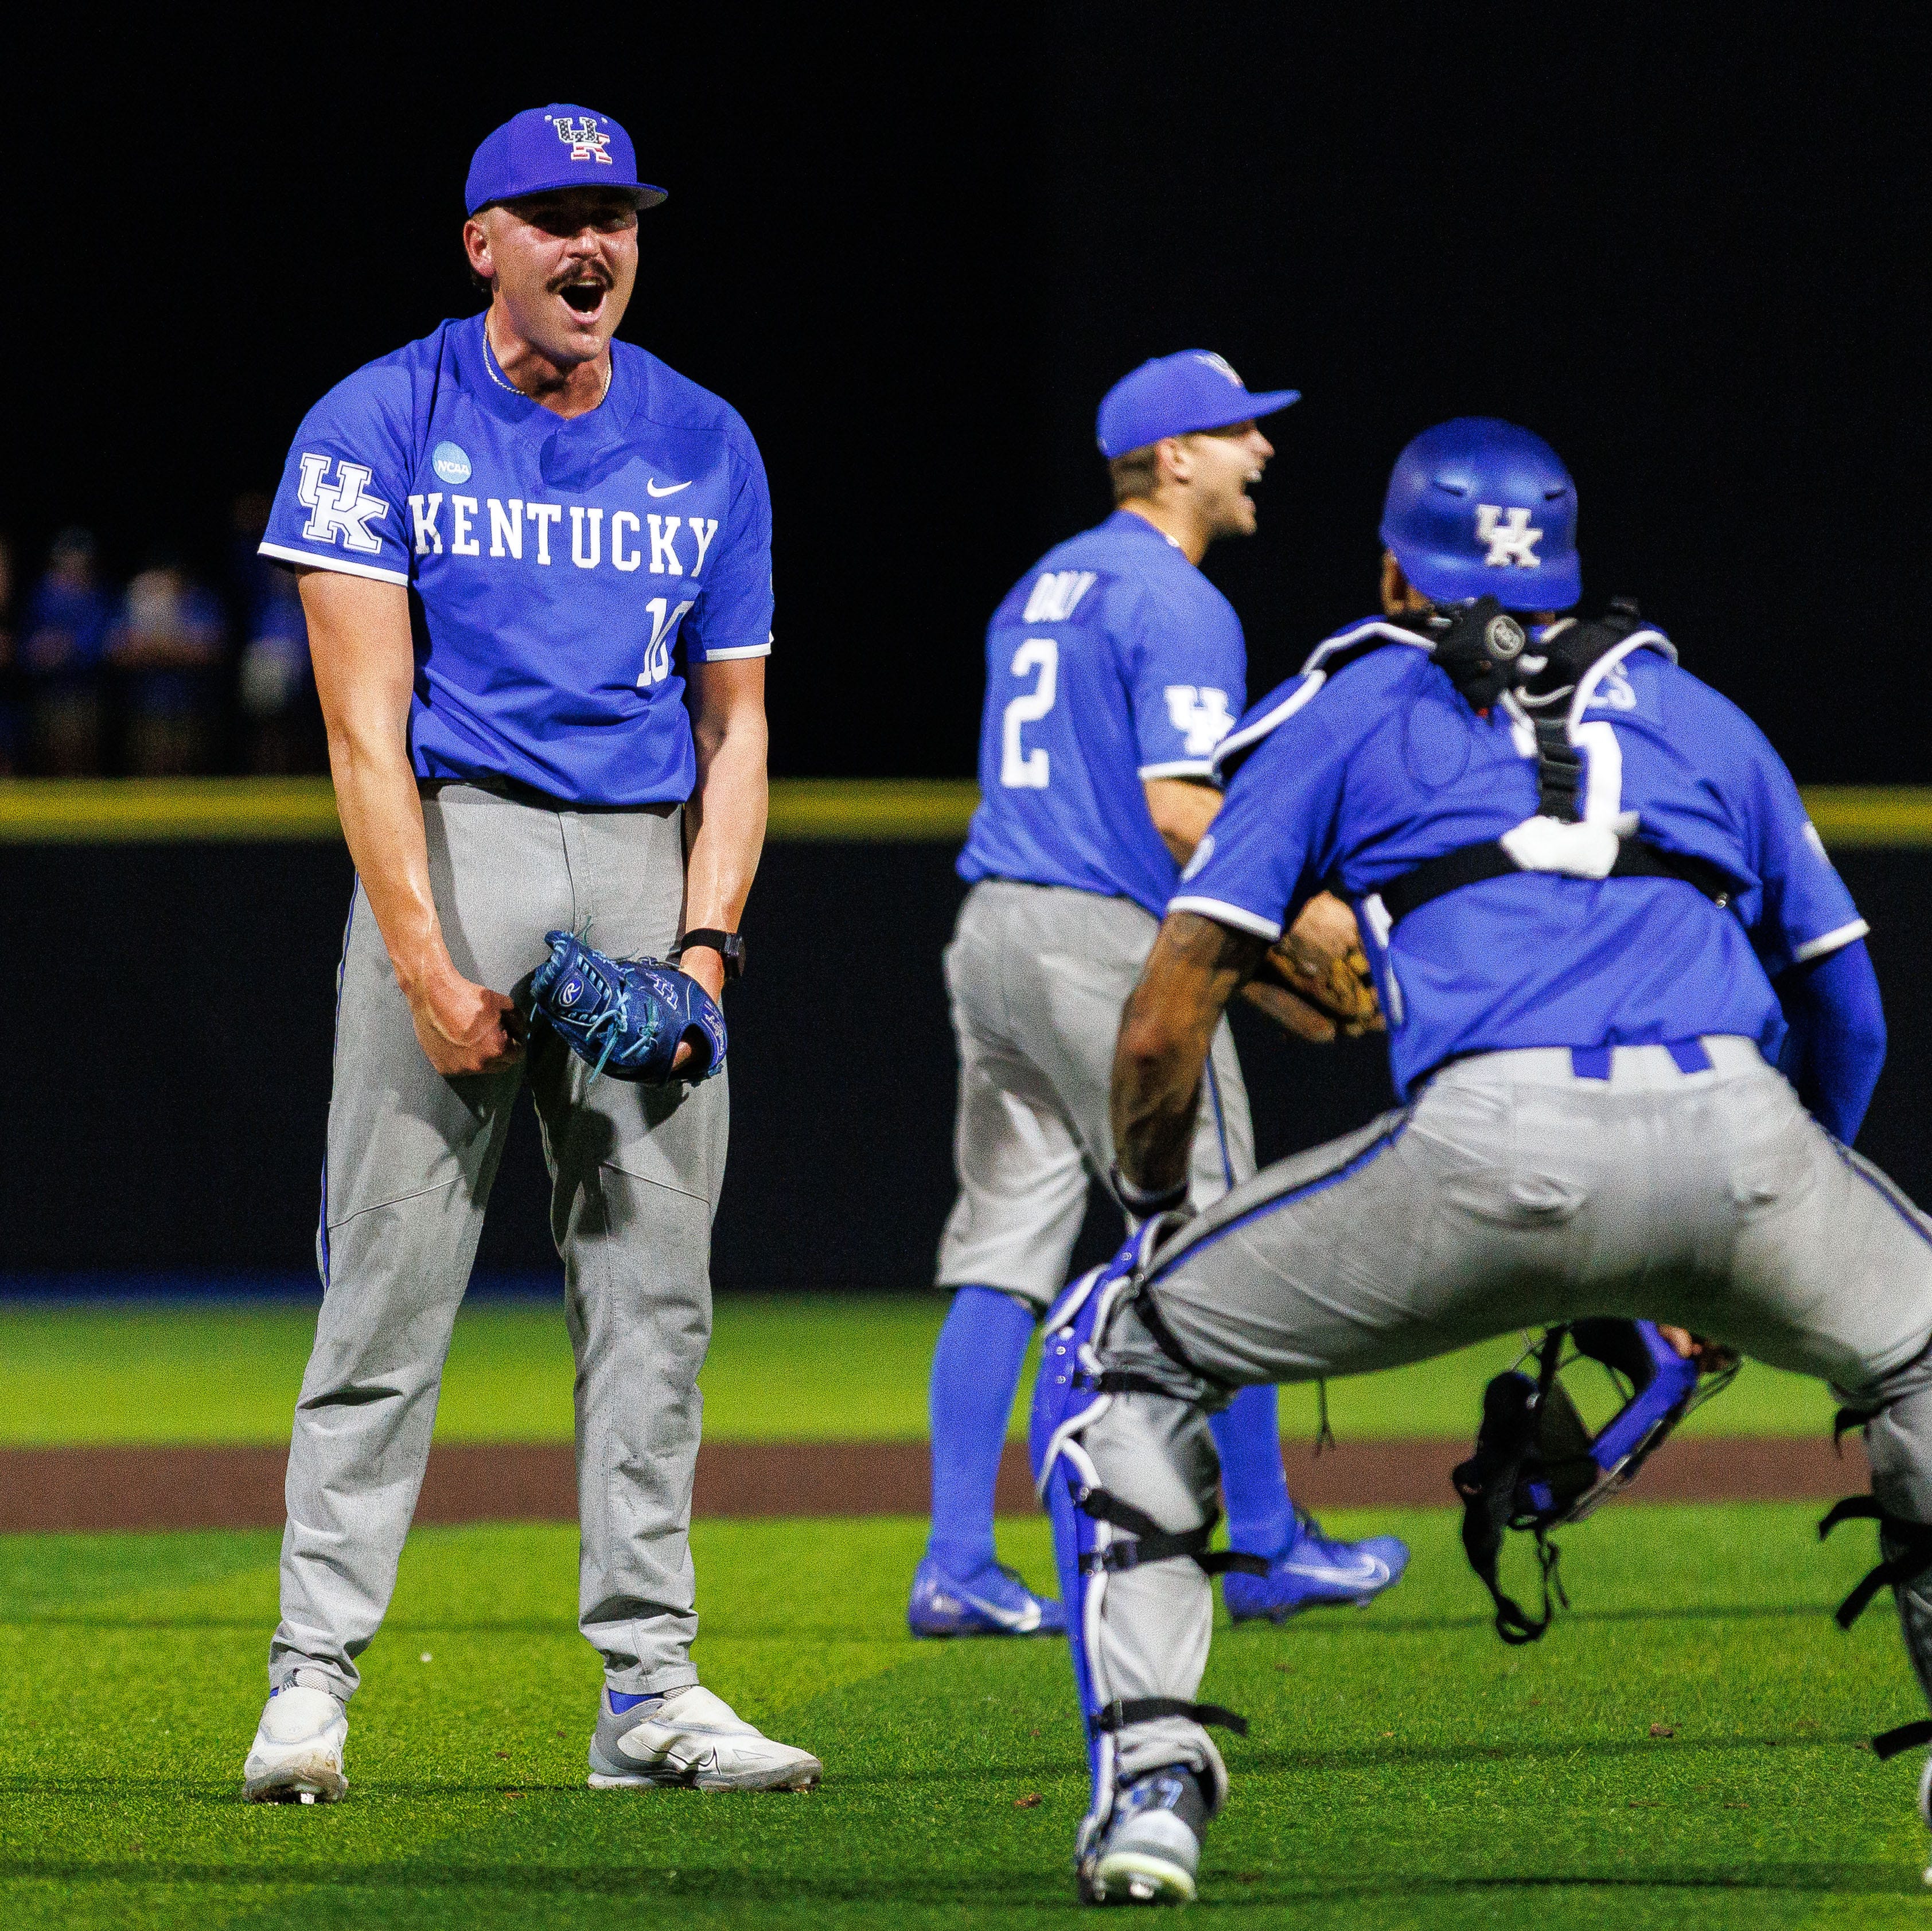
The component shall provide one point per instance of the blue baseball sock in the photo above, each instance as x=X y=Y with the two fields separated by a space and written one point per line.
x=976 y=1372
x=1247 y=1432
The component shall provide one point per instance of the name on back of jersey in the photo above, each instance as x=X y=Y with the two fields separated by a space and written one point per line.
x=1055 y=595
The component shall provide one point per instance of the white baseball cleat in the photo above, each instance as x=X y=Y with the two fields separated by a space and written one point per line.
x=1150 y=1852
x=297 y=1754
x=691 y=1738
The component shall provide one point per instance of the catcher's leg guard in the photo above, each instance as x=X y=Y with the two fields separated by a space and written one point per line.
x=1897 y=1426
x=1104 y=1544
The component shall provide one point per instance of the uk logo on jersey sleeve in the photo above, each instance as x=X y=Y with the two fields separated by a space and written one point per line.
x=1200 y=713
x=341 y=510
x=336 y=511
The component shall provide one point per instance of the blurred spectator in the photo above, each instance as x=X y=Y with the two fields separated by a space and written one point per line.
x=168 y=645
x=65 y=634
x=12 y=711
x=280 y=717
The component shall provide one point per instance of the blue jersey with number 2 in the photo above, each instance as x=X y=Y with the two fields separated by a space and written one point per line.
x=1114 y=660
x=1359 y=777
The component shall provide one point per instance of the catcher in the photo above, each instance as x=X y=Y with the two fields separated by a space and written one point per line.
x=1114 y=668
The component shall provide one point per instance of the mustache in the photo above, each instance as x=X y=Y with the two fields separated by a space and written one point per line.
x=585 y=272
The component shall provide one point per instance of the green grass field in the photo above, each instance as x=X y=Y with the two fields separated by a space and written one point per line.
x=795 y=1368
x=1405 y=1769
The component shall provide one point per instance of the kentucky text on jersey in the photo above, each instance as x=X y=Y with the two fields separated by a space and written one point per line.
x=554 y=582
x=1362 y=776
x=1112 y=661
x=507 y=521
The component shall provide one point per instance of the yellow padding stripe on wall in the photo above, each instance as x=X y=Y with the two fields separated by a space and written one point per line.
x=856 y=810
x=129 y=809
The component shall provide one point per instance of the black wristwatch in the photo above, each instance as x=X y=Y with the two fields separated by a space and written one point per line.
x=730 y=946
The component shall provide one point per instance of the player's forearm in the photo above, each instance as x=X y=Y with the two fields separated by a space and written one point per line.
x=364 y=665
x=375 y=797
x=1167 y=1031
x=1182 y=809
x=724 y=820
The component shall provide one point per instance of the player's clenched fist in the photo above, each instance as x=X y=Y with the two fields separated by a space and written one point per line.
x=464 y=1028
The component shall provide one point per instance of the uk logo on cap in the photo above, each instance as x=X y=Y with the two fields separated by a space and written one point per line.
x=543 y=150
x=584 y=139
x=1176 y=395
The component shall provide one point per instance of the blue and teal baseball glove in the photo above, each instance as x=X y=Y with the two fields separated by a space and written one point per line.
x=628 y=1017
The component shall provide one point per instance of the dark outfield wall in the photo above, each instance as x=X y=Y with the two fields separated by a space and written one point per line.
x=168 y=1034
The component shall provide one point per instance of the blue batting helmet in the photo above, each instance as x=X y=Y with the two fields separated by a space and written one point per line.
x=1477 y=506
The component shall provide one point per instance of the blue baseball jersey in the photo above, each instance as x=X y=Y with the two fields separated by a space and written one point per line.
x=1113 y=659
x=562 y=572
x=1357 y=778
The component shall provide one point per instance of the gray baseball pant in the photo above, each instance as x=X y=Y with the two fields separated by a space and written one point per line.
x=635 y=1173
x=1037 y=975
x=1513 y=1193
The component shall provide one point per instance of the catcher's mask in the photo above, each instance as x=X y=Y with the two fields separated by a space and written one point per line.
x=1537 y=1465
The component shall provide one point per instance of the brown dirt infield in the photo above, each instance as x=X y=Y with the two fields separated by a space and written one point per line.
x=241 y=1487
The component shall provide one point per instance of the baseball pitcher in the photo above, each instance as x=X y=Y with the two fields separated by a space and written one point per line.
x=1634 y=1029
x=1114 y=668
x=535 y=563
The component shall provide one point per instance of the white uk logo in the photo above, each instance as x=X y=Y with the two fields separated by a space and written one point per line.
x=1508 y=532
x=1220 y=365
x=343 y=508
x=1201 y=712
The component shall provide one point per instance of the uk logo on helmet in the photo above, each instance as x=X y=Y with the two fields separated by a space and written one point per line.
x=1510 y=540
x=585 y=139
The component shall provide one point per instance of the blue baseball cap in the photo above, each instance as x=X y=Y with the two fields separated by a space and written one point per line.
x=1178 y=395
x=544 y=148
x=1478 y=506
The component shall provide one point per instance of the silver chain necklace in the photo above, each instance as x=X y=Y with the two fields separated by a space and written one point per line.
x=494 y=368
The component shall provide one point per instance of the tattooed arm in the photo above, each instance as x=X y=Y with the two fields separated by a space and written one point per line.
x=1195 y=967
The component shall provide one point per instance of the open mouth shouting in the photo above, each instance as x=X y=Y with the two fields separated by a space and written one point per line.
x=584 y=292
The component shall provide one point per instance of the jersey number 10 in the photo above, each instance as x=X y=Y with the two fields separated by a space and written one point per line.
x=1030 y=770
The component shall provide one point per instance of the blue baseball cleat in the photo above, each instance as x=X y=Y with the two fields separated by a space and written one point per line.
x=991 y=1602
x=1313 y=1573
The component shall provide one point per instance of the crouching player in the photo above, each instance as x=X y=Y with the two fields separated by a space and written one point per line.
x=1633 y=1025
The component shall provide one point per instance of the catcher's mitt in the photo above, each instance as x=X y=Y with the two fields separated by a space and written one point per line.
x=627 y=1016
x=1314 y=981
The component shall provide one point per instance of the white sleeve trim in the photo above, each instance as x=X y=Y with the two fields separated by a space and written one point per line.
x=1223 y=913
x=737 y=650
x=341 y=565
x=1185 y=767
x=1830 y=942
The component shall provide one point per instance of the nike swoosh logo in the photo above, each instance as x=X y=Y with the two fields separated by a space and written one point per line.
x=1367 y=1569
x=1021 y=1621
x=671 y=491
